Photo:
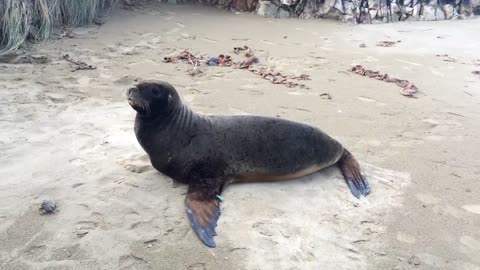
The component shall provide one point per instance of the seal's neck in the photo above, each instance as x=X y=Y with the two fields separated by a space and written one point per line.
x=181 y=117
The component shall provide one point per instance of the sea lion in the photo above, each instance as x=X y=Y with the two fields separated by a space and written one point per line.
x=209 y=151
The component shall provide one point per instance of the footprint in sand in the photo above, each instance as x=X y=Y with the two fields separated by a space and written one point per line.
x=427 y=198
x=132 y=262
x=470 y=246
x=77 y=161
x=209 y=40
x=126 y=80
x=197 y=266
x=371 y=100
x=406 y=238
x=135 y=163
x=82 y=228
x=173 y=31
x=268 y=42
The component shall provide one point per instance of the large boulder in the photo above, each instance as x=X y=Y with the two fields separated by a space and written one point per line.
x=429 y=12
x=267 y=9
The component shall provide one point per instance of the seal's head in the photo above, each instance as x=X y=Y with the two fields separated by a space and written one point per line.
x=152 y=98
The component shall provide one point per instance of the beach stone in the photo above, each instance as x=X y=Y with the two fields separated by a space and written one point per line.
x=267 y=9
x=325 y=7
x=439 y=14
x=339 y=5
x=348 y=7
x=48 y=206
x=282 y=14
x=428 y=13
x=348 y=19
x=334 y=14
x=449 y=11
x=416 y=12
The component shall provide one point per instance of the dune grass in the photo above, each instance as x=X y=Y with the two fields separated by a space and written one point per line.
x=22 y=21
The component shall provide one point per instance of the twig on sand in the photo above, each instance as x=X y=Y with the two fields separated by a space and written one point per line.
x=79 y=65
x=249 y=64
x=408 y=88
x=387 y=43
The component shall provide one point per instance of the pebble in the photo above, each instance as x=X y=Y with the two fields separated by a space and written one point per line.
x=48 y=206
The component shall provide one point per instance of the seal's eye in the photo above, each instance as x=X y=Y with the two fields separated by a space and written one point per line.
x=155 y=92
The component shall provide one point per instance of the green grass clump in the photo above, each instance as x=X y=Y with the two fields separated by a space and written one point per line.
x=33 y=20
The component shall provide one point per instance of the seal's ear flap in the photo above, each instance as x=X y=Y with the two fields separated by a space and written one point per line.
x=203 y=211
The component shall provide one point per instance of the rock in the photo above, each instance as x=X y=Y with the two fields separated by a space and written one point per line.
x=349 y=19
x=363 y=45
x=449 y=11
x=428 y=13
x=439 y=14
x=339 y=5
x=414 y=260
x=407 y=10
x=416 y=12
x=373 y=13
x=48 y=206
x=334 y=13
x=325 y=7
x=282 y=14
x=348 y=8
x=288 y=2
x=267 y=9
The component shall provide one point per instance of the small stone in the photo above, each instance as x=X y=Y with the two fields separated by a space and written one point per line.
x=414 y=260
x=363 y=45
x=48 y=206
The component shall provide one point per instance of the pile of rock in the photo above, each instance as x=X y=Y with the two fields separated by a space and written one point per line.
x=361 y=11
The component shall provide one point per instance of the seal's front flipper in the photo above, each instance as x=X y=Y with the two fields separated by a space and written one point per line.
x=357 y=183
x=203 y=211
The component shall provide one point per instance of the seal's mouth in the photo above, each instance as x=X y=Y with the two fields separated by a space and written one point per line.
x=137 y=103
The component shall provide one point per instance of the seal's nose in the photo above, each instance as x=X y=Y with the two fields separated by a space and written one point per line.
x=131 y=90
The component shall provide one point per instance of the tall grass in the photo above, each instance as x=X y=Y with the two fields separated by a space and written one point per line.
x=33 y=20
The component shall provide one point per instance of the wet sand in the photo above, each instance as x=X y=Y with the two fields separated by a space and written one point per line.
x=69 y=136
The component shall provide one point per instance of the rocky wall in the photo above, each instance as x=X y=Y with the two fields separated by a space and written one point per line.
x=358 y=11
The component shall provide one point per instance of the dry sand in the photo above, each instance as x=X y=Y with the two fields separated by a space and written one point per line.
x=69 y=136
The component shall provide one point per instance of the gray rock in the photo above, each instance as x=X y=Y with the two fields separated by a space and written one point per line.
x=439 y=14
x=334 y=13
x=373 y=13
x=348 y=8
x=449 y=11
x=48 y=206
x=325 y=7
x=282 y=14
x=288 y=2
x=267 y=9
x=414 y=260
x=349 y=19
x=416 y=12
x=395 y=8
x=428 y=12
x=339 y=5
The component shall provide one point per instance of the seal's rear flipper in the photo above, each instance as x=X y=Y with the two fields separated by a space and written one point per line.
x=203 y=211
x=357 y=183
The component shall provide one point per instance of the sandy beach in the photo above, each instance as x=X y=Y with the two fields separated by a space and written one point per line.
x=68 y=135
